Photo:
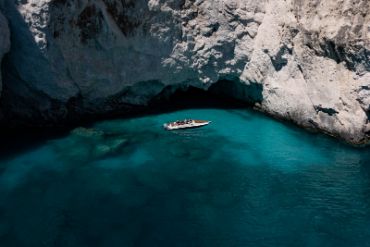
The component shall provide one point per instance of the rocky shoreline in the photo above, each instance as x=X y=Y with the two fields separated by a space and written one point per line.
x=301 y=61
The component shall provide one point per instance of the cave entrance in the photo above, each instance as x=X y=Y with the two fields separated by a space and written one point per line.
x=223 y=94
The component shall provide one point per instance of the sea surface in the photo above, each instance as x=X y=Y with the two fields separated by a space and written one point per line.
x=244 y=180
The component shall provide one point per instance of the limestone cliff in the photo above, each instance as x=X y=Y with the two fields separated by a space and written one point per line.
x=302 y=60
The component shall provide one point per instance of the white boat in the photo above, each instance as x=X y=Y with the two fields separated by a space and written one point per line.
x=185 y=124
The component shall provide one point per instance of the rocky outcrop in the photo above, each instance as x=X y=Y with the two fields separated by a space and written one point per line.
x=4 y=42
x=301 y=60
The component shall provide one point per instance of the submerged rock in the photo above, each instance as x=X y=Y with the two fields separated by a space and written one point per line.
x=102 y=150
x=85 y=132
x=116 y=144
x=303 y=61
x=84 y=145
x=109 y=147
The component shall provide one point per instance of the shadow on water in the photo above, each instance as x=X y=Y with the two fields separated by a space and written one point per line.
x=15 y=141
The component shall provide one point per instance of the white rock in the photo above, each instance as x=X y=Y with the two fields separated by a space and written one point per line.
x=301 y=60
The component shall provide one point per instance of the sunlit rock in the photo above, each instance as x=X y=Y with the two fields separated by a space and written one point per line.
x=303 y=61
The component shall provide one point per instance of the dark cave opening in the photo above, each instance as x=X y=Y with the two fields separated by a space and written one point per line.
x=191 y=97
x=225 y=94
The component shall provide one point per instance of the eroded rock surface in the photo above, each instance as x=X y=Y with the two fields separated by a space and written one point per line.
x=302 y=60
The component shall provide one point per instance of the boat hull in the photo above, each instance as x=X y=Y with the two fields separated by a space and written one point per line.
x=195 y=124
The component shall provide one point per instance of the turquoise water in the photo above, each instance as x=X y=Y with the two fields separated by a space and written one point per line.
x=244 y=180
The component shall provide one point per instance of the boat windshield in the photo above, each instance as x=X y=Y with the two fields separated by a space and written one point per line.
x=182 y=122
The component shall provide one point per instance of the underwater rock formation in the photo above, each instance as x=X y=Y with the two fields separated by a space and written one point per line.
x=300 y=60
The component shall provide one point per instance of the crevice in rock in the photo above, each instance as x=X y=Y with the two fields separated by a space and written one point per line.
x=90 y=23
x=332 y=51
x=352 y=56
x=279 y=61
x=329 y=111
x=300 y=69
x=121 y=13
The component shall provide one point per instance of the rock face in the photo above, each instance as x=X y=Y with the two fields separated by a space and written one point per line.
x=301 y=60
x=4 y=41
